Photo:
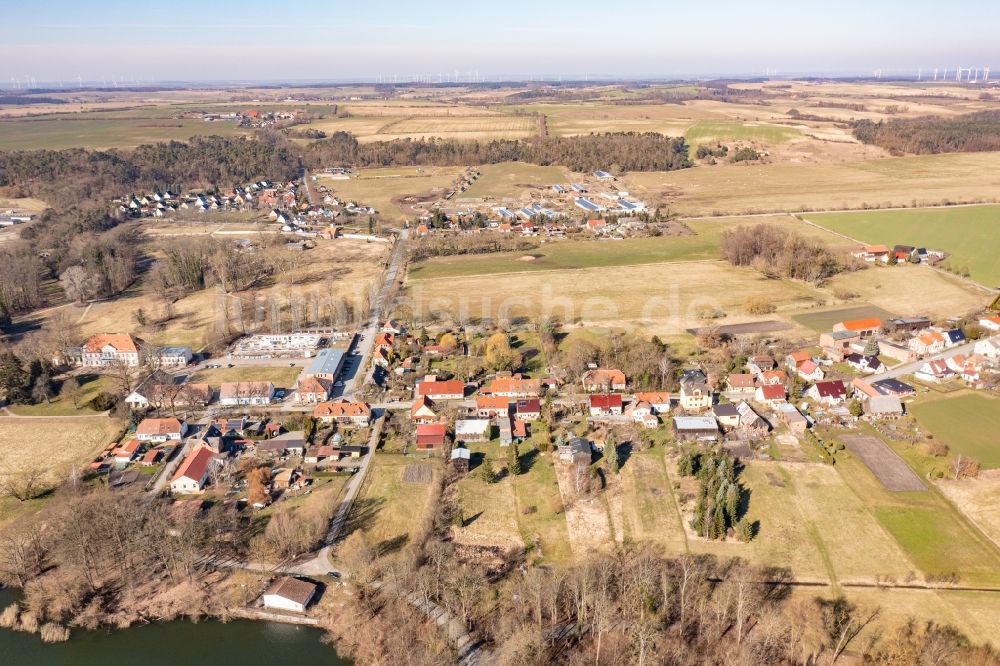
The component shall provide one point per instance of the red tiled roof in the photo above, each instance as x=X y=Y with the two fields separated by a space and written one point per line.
x=606 y=401
x=772 y=391
x=123 y=342
x=195 y=465
x=158 y=427
x=861 y=324
x=448 y=387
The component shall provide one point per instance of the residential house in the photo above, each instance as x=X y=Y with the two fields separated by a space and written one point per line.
x=772 y=378
x=286 y=444
x=695 y=395
x=172 y=357
x=355 y=414
x=809 y=371
x=726 y=414
x=761 y=363
x=603 y=380
x=451 y=389
x=795 y=359
x=837 y=343
x=865 y=364
x=863 y=388
x=928 y=343
x=865 y=328
x=954 y=337
x=472 y=430
x=872 y=253
x=989 y=348
x=606 y=404
x=740 y=383
x=695 y=428
x=990 y=323
x=107 y=349
x=423 y=411
x=490 y=406
x=770 y=394
x=751 y=424
x=311 y=390
x=394 y=327
x=246 y=393
x=658 y=400
x=289 y=594
x=386 y=341
x=528 y=409
x=934 y=371
x=431 y=436
x=127 y=452
x=192 y=475
x=160 y=430
x=831 y=392
x=514 y=386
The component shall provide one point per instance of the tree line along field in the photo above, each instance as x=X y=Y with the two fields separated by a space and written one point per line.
x=969 y=234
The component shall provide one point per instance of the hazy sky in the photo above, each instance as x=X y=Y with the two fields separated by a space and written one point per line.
x=53 y=40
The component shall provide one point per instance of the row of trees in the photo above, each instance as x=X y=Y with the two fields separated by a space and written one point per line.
x=630 y=151
x=973 y=132
x=780 y=253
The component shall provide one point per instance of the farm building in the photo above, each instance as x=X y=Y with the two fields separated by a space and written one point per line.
x=289 y=594
x=695 y=428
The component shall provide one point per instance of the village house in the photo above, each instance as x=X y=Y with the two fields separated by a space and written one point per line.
x=659 y=401
x=893 y=387
x=160 y=430
x=603 y=379
x=528 y=409
x=423 y=411
x=740 y=383
x=772 y=378
x=127 y=452
x=771 y=395
x=107 y=349
x=356 y=414
x=809 y=371
x=865 y=364
x=695 y=428
x=286 y=444
x=928 y=343
x=608 y=404
x=172 y=357
x=490 y=406
x=472 y=430
x=192 y=475
x=760 y=363
x=831 y=392
x=431 y=436
x=289 y=594
x=989 y=348
x=990 y=323
x=726 y=414
x=872 y=253
x=797 y=358
x=451 y=389
x=311 y=390
x=577 y=450
x=514 y=386
x=837 y=343
x=883 y=407
x=695 y=396
x=792 y=418
x=167 y=396
x=246 y=393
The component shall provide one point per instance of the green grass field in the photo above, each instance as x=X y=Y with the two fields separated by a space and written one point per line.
x=968 y=234
x=726 y=131
x=65 y=131
x=511 y=178
x=824 y=321
x=703 y=244
x=968 y=424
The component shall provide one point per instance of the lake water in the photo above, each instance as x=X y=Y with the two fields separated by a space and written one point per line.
x=240 y=642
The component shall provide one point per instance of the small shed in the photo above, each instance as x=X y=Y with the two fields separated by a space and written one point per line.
x=460 y=460
x=289 y=594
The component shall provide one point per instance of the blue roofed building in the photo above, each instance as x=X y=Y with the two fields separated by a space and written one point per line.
x=326 y=364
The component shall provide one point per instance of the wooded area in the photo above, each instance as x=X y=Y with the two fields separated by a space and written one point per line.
x=973 y=132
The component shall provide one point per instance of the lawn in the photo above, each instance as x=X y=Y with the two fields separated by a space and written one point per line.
x=727 y=131
x=78 y=131
x=970 y=235
x=509 y=179
x=968 y=424
x=90 y=386
x=648 y=506
x=489 y=511
x=824 y=321
x=540 y=515
x=901 y=181
x=591 y=253
x=281 y=376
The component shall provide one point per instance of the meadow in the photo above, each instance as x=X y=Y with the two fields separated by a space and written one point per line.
x=824 y=321
x=969 y=234
x=707 y=132
x=98 y=132
x=383 y=188
x=387 y=507
x=54 y=444
x=967 y=424
x=510 y=179
x=59 y=405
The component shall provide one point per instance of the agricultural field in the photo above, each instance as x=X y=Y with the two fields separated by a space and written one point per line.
x=710 y=132
x=976 y=499
x=925 y=180
x=386 y=189
x=934 y=536
x=55 y=444
x=510 y=179
x=824 y=321
x=967 y=423
x=68 y=131
x=969 y=234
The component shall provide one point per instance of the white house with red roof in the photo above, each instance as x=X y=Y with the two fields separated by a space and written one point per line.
x=192 y=475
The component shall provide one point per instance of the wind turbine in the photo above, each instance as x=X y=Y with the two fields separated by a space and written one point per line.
x=986 y=74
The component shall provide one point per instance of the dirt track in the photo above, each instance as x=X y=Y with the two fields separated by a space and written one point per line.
x=887 y=467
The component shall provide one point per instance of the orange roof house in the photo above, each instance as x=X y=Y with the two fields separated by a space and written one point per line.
x=871 y=325
x=423 y=410
x=515 y=386
x=358 y=413
x=122 y=342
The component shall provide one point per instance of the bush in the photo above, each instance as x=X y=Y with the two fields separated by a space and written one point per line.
x=103 y=401
x=758 y=305
x=937 y=449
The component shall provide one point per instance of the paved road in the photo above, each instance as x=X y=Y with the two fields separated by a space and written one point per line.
x=910 y=368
